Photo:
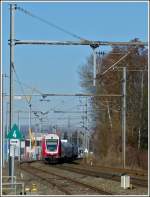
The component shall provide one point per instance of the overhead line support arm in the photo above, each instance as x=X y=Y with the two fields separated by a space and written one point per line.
x=93 y=44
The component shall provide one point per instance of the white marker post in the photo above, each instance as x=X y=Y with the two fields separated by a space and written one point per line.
x=14 y=144
x=12 y=154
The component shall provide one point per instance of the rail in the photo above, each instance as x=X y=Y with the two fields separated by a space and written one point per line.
x=36 y=170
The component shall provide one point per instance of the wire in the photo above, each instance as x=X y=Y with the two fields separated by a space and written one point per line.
x=49 y=23
x=36 y=90
x=19 y=82
x=113 y=66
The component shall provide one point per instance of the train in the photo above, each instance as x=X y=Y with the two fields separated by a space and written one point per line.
x=55 y=149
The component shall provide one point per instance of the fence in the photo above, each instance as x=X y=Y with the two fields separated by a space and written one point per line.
x=9 y=188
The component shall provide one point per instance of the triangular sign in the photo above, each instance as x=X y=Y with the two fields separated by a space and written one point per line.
x=14 y=133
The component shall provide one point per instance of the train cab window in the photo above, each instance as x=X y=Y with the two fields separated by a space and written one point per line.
x=81 y=151
x=51 y=144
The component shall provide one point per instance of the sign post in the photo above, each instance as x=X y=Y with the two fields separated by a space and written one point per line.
x=14 y=137
x=12 y=164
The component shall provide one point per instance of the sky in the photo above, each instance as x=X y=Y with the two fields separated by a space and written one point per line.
x=54 y=69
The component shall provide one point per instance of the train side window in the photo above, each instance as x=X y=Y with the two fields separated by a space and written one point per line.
x=38 y=143
x=27 y=143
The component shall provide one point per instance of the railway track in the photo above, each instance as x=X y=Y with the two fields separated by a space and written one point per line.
x=67 y=185
x=138 y=177
x=141 y=173
x=103 y=174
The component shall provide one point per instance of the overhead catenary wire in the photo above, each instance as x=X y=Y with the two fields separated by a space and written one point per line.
x=21 y=86
x=115 y=110
x=49 y=23
x=25 y=85
x=75 y=95
x=113 y=66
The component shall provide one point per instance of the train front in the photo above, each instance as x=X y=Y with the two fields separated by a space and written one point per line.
x=51 y=148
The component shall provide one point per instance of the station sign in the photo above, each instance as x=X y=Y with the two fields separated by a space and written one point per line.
x=22 y=144
x=14 y=151
x=14 y=142
x=14 y=147
x=15 y=133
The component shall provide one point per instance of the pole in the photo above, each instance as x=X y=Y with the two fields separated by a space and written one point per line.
x=41 y=126
x=100 y=64
x=94 y=66
x=3 y=129
x=139 y=139
x=7 y=108
x=12 y=45
x=86 y=125
x=19 y=140
x=77 y=139
x=69 y=132
x=124 y=118
x=30 y=123
x=141 y=108
x=19 y=120
x=84 y=137
x=13 y=161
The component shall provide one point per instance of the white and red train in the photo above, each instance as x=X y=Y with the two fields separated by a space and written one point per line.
x=54 y=149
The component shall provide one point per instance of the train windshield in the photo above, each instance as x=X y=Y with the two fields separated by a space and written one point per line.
x=51 y=144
